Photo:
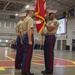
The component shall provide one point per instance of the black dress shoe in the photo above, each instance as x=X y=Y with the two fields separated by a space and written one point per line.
x=28 y=73
x=45 y=72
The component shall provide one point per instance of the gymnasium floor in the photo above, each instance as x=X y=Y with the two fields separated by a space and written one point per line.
x=64 y=63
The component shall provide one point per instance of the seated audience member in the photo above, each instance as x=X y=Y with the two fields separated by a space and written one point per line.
x=13 y=44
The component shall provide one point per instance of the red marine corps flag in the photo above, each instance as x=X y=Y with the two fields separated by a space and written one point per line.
x=40 y=15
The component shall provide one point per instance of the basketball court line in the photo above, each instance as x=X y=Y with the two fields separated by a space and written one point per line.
x=38 y=56
x=10 y=58
x=2 y=68
x=54 y=66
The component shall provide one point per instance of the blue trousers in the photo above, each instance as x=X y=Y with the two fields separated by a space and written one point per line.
x=19 y=52
x=27 y=54
x=49 y=52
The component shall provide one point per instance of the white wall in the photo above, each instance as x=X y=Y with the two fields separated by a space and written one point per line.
x=70 y=29
x=7 y=26
x=7 y=29
x=60 y=37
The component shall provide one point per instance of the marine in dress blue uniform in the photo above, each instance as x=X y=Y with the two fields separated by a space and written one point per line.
x=19 y=50
x=27 y=38
x=49 y=43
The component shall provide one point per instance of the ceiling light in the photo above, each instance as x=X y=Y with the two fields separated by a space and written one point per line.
x=27 y=6
x=0 y=40
x=16 y=14
x=6 y=40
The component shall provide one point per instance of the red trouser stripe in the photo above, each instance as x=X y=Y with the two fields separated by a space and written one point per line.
x=28 y=58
